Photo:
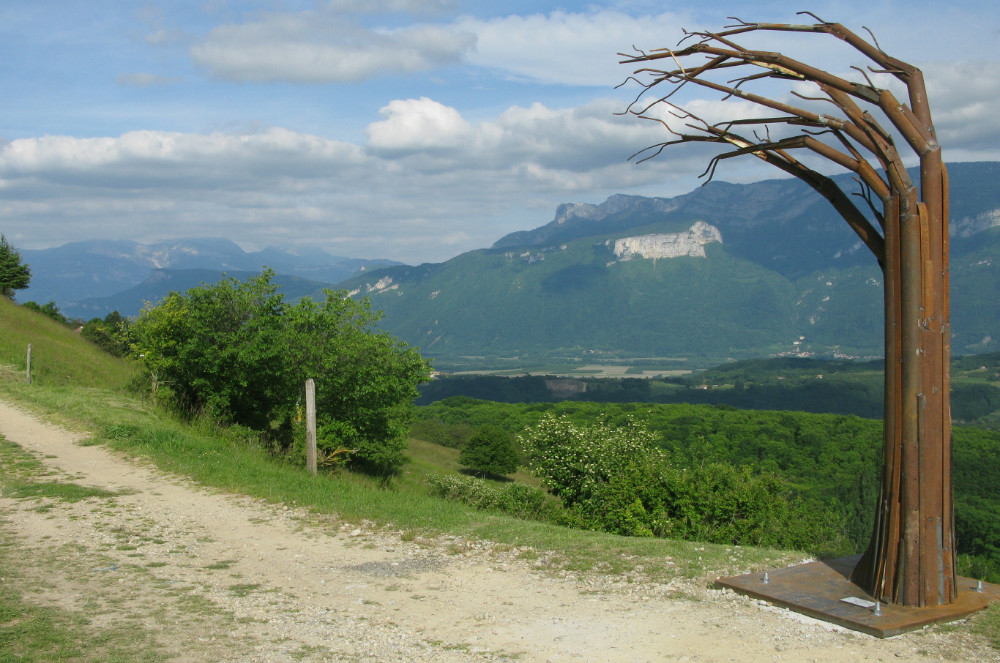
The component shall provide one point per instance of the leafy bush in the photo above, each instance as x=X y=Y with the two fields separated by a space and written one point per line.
x=575 y=461
x=219 y=349
x=490 y=451
x=514 y=499
x=238 y=352
x=724 y=503
x=107 y=334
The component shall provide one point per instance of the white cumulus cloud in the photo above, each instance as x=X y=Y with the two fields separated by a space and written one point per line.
x=569 y=48
x=418 y=124
x=425 y=172
x=964 y=98
x=318 y=47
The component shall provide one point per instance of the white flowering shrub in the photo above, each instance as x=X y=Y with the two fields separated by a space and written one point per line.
x=575 y=461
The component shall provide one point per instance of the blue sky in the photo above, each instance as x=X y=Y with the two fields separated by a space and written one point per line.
x=403 y=129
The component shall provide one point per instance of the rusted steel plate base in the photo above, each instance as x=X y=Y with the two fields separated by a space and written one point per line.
x=818 y=589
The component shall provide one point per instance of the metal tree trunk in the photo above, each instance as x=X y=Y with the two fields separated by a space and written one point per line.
x=911 y=557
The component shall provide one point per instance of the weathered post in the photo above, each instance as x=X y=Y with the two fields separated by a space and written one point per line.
x=28 y=363
x=311 y=425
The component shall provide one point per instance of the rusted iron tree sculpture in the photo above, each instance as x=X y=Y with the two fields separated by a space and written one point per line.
x=910 y=559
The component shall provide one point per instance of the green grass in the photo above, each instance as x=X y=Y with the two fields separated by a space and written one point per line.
x=68 y=492
x=426 y=458
x=59 y=357
x=30 y=634
x=24 y=476
x=987 y=624
x=243 y=589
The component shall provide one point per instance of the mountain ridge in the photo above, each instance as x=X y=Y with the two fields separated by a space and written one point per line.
x=79 y=276
x=742 y=210
x=789 y=277
x=770 y=270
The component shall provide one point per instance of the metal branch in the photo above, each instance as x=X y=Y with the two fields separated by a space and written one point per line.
x=805 y=97
x=866 y=195
x=865 y=74
x=737 y=82
x=630 y=78
x=874 y=38
x=808 y=13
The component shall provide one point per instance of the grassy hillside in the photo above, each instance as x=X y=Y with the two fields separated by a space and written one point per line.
x=59 y=357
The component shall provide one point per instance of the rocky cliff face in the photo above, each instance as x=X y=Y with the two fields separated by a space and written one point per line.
x=672 y=245
x=969 y=226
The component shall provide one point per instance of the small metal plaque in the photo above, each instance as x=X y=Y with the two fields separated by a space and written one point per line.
x=861 y=603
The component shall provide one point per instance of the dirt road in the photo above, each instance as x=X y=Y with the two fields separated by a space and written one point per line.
x=217 y=577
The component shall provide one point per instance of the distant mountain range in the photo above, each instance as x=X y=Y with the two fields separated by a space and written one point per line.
x=92 y=278
x=726 y=271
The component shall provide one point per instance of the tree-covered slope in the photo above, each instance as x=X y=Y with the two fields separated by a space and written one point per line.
x=830 y=460
x=577 y=298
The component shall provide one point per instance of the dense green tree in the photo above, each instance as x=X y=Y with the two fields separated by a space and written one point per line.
x=107 y=333
x=366 y=380
x=219 y=349
x=239 y=352
x=490 y=450
x=14 y=275
x=50 y=310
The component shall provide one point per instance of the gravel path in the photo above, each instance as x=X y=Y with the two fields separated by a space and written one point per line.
x=218 y=577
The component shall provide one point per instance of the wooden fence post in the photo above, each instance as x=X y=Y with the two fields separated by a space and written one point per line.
x=28 y=369
x=311 y=425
